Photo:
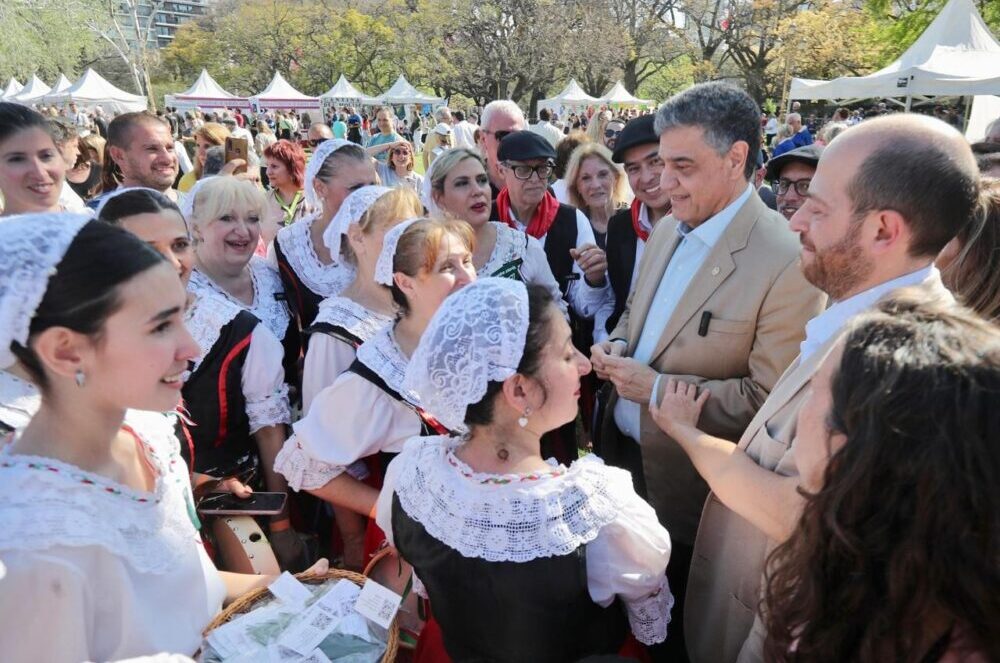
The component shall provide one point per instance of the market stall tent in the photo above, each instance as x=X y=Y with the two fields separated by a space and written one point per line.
x=280 y=95
x=345 y=93
x=619 y=96
x=205 y=93
x=61 y=85
x=402 y=93
x=985 y=109
x=32 y=91
x=571 y=97
x=92 y=90
x=13 y=87
x=955 y=56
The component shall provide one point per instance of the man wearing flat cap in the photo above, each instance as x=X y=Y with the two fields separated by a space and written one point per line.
x=790 y=175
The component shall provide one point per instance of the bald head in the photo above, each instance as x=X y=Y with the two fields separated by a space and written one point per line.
x=916 y=165
x=319 y=132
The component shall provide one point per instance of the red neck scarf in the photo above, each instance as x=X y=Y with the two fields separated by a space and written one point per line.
x=641 y=232
x=544 y=217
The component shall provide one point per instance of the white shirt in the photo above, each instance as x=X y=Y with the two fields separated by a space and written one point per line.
x=513 y=246
x=584 y=298
x=560 y=189
x=608 y=308
x=694 y=247
x=548 y=131
x=70 y=200
x=463 y=134
x=820 y=329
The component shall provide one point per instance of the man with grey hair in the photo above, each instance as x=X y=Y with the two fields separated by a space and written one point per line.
x=719 y=301
x=500 y=118
x=800 y=135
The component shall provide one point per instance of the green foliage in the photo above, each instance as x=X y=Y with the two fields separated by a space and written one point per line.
x=46 y=37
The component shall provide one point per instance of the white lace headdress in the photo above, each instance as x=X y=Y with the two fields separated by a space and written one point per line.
x=476 y=337
x=322 y=153
x=384 y=265
x=31 y=246
x=427 y=191
x=350 y=212
x=117 y=192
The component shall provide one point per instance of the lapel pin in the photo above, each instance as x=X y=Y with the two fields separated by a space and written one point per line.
x=715 y=271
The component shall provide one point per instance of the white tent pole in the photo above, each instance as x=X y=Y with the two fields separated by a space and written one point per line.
x=909 y=100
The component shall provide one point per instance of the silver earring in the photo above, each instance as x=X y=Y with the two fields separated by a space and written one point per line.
x=80 y=378
x=523 y=420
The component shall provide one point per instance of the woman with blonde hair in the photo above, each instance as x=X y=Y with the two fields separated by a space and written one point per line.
x=597 y=124
x=206 y=136
x=596 y=185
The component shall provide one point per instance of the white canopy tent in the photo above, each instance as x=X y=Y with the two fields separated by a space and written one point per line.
x=572 y=97
x=13 y=87
x=345 y=93
x=92 y=90
x=61 y=85
x=985 y=109
x=33 y=91
x=280 y=95
x=955 y=56
x=205 y=93
x=619 y=96
x=402 y=93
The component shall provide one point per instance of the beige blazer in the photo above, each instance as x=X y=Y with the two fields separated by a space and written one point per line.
x=725 y=581
x=759 y=301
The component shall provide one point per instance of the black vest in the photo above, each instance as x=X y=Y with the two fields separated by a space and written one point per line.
x=558 y=241
x=330 y=329
x=213 y=397
x=303 y=302
x=621 y=245
x=538 y=611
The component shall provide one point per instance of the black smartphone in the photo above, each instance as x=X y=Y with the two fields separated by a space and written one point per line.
x=227 y=504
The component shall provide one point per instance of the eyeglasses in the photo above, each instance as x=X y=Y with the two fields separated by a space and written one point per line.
x=524 y=172
x=401 y=152
x=801 y=186
x=316 y=141
x=611 y=133
x=499 y=135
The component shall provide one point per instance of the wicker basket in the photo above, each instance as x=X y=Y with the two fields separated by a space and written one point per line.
x=251 y=599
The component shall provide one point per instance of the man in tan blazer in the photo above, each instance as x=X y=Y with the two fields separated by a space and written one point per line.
x=885 y=199
x=719 y=300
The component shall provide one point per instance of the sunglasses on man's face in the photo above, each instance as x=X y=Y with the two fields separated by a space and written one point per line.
x=499 y=135
x=612 y=133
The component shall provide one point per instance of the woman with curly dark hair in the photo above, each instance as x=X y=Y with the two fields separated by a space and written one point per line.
x=897 y=554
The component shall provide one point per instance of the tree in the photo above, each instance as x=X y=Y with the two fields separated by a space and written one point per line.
x=652 y=37
x=126 y=25
x=30 y=28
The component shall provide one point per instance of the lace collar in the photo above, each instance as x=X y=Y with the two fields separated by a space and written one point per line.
x=381 y=354
x=45 y=503
x=297 y=246
x=354 y=318
x=511 y=245
x=19 y=400
x=206 y=316
x=506 y=518
x=268 y=295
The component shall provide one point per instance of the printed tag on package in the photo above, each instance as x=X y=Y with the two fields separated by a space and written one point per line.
x=378 y=603
x=312 y=628
x=289 y=590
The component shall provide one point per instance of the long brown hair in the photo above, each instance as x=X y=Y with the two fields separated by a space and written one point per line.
x=974 y=274
x=902 y=542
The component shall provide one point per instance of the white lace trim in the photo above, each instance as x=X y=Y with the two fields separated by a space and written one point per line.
x=46 y=503
x=271 y=410
x=266 y=286
x=297 y=246
x=510 y=245
x=381 y=354
x=302 y=471
x=352 y=316
x=515 y=521
x=19 y=400
x=648 y=617
x=205 y=318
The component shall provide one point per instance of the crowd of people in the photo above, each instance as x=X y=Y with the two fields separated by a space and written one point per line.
x=657 y=386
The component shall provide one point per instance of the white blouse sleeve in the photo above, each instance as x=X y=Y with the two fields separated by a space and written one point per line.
x=45 y=610
x=606 y=309
x=326 y=358
x=538 y=272
x=263 y=381
x=584 y=298
x=628 y=559
x=349 y=420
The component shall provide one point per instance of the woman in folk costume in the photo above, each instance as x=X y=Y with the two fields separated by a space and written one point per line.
x=310 y=270
x=225 y=215
x=348 y=319
x=364 y=412
x=457 y=186
x=97 y=528
x=523 y=559
x=239 y=428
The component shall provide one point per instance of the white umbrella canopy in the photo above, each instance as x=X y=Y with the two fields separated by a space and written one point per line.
x=13 y=87
x=280 y=95
x=205 y=93
x=33 y=90
x=402 y=93
x=92 y=90
x=955 y=56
